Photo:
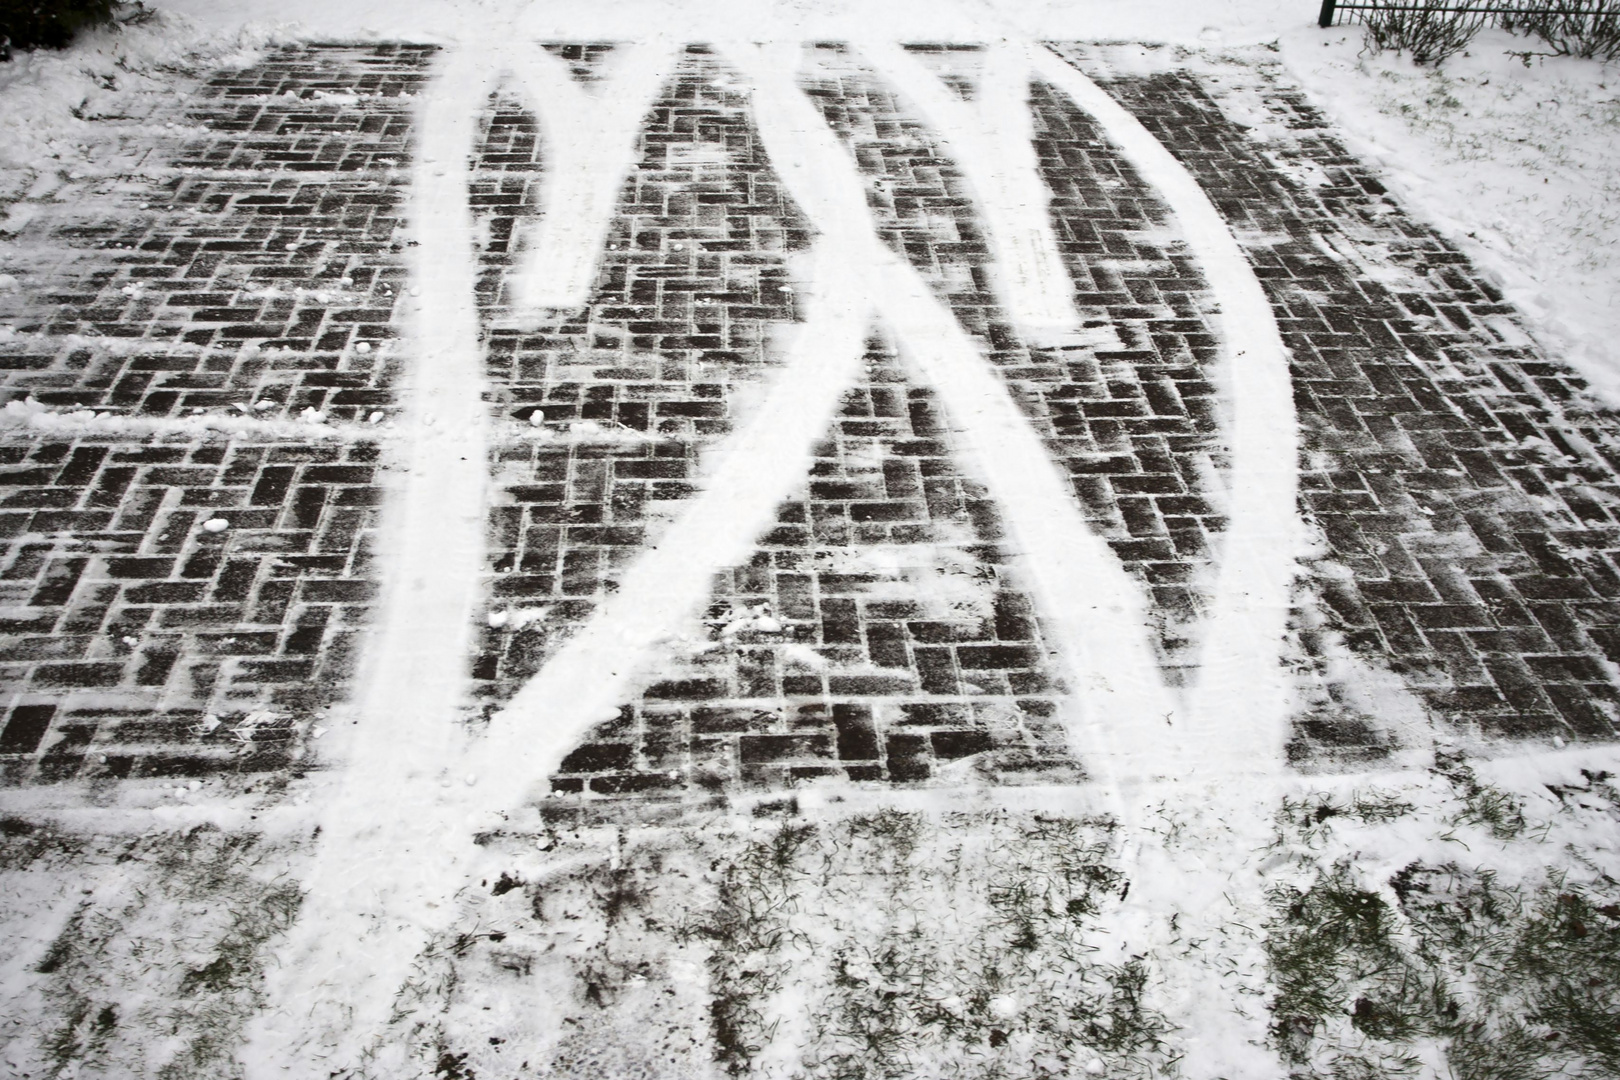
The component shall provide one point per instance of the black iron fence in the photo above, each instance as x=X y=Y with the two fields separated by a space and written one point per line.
x=1336 y=13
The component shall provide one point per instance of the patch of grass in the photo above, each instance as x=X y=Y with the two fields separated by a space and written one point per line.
x=747 y=927
x=873 y=945
x=1516 y=983
x=957 y=948
x=1494 y=810
x=160 y=964
x=1598 y=790
x=1311 y=817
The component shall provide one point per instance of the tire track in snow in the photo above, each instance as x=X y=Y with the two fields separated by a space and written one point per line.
x=992 y=140
x=590 y=146
x=1240 y=703
x=1228 y=753
x=390 y=837
x=1240 y=708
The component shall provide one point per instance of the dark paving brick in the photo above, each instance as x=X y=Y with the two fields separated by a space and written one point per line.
x=1464 y=484
x=902 y=635
x=132 y=618
x=259 y=270
x=645 y=376
x=1135 y=426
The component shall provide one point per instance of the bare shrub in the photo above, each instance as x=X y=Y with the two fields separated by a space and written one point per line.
x=1586 y=28
x=1430 y=31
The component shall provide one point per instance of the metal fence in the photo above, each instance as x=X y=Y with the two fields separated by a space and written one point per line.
x=1335 y=13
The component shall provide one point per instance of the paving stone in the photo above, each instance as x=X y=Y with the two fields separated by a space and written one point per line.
x=255 y=276
x=1463 y=486
x=1463 y=482
x=1134 y=425
x=692 y=279
x=842 y=636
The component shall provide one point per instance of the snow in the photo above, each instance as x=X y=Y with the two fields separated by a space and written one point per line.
x=992 y=138
x=28 y=414
x=74 y=119
x=1239 y=707
x=391 y=836
x=591 y=135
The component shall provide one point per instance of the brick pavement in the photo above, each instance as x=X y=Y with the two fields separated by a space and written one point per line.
x=869 y=675
x=1463 y=483
x=255 y=277
x=1462 y=486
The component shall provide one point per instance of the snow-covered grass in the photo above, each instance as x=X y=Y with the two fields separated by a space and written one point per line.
x=1461 y=920
x=134 y=955
x=857 y=940
x=1448 y=923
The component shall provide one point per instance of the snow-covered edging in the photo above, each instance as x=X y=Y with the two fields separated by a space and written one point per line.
x=72 y=117
x=1517 y=163
x=28 y=415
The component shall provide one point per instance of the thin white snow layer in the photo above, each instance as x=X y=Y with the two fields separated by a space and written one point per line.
x=1229 y=748
x=72 y=119
x=991 y=140
x=749 y=475
x=30 y=415
x=1213 y=22
x=394 y=831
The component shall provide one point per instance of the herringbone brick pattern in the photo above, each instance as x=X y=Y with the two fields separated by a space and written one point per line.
x=1134 y=423
x=860 y=675
x=876 y=634
x=252 y=283
x=225 y=333
x=1463 y=484
x=606 y=409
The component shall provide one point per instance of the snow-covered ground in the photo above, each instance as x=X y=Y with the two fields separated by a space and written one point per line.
x=1517 y=163
x=1517 y=160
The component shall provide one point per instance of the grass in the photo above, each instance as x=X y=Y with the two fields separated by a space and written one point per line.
x=1501 y=977
x=856 y=946
x=1437 y=926
x=1312 y=816
x=1495 y=810
x=952 y=947
x=747 y=926
x=159 y=963
x=877 y=944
